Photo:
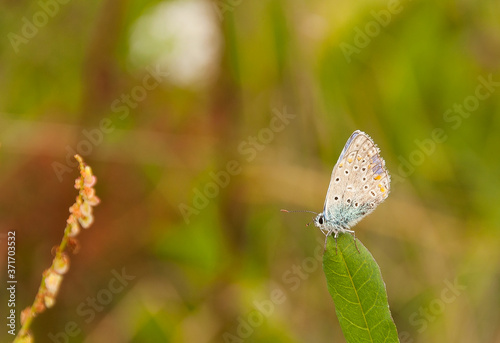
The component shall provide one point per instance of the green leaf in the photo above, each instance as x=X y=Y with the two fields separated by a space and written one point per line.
x=358 y=291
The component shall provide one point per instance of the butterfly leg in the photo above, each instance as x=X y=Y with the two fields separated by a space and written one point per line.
x=354 y=235
x=335 y=236
x=326 y=240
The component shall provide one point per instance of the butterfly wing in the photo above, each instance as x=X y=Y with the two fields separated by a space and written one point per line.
x=358 y=184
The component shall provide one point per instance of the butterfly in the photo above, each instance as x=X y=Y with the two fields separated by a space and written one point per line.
x=359 y=183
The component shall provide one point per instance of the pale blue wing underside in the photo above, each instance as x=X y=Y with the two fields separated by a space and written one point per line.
x=359 y=182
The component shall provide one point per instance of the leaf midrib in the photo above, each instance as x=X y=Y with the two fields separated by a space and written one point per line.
x=357 y=296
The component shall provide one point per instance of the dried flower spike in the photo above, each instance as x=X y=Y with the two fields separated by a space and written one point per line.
x=81 y=214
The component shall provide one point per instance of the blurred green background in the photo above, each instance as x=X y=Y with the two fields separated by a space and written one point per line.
x=166 y=98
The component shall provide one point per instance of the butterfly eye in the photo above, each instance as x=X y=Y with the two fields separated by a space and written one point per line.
x=320 y=220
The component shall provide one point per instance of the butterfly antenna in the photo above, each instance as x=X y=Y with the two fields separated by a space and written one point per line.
x=282 y=210
x=287 y=211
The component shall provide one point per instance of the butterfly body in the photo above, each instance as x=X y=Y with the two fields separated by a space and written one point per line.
x=359 y=183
